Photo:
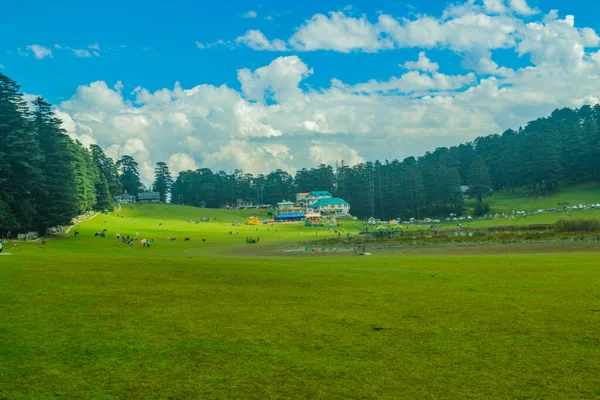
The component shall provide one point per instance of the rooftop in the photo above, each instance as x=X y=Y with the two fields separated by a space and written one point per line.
x=327 y=202
x=321 y=193
x=149 y=195
x=291 y=215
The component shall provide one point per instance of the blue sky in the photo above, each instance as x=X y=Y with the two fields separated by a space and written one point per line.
x=160 y=41
x=430 y=58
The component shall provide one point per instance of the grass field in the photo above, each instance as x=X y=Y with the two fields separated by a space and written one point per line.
x=88 y=318
x=508 y=201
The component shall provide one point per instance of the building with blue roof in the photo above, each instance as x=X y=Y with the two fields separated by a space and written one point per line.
x=331 y=206
x=309 y=198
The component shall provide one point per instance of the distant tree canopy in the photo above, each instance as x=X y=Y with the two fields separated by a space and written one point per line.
x=46 y=178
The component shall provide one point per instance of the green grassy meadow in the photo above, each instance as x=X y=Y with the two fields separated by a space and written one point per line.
x=508 y=201
x=88 y=317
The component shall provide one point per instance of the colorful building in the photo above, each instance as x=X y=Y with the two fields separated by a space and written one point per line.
x=331 y=206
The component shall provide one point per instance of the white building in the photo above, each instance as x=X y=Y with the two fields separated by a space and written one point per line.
x=331 y=206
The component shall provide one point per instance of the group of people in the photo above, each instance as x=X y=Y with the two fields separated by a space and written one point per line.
x=129 y=240
x=200 y=220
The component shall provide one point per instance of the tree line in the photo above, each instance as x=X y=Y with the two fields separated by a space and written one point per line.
x=562 y=148
x=46 y=178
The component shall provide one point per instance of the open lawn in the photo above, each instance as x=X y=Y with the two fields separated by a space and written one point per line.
x=520 y=199
x=88 y=317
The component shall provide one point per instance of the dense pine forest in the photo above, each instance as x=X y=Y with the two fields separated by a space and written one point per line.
x=46 y=178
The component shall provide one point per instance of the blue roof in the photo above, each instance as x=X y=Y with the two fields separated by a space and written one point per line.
x=285 y=216
x=321 y=193
x=327 y=202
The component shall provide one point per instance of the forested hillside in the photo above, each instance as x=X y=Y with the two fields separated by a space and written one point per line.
x=46 y=178
x=565 y=147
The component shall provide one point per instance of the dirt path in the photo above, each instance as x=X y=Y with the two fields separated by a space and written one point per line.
x=78 y=222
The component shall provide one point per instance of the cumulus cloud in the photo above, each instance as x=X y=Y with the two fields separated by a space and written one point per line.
x=338 y=32
x=279 y=80
x=472 y=28
x=330 y=152
x=181 y=162
x=521 y=7
x=494 y=6
x=256 y=40
x=275 y=121
x=422 y=64
x=40 y=52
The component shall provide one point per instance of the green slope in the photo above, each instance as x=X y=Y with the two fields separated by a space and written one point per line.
x=520 y=200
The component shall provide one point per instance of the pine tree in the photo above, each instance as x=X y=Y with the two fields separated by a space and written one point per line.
x=107 y=168
x=130 y=175
x=162 y=180
x=57 y=204
x=103 y=197
x=86 y=177
x=479 y=180
x=20 y=161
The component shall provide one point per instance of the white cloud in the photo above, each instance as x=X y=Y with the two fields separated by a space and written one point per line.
x=181 y=162
x=1 y=66
x=82 y=53
x=423 y=64
x=467 y=27
x=279 y=80
x=415 y=81
x=40 y=52
x=521 y=7
x=329 y=152
x=556 y=41
x=257 y=41
x=250 y=14
x=217 y=43
x=94 y=46
x=276 y=121
x=494 y=6
x=338 y=32
x=251 y=157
